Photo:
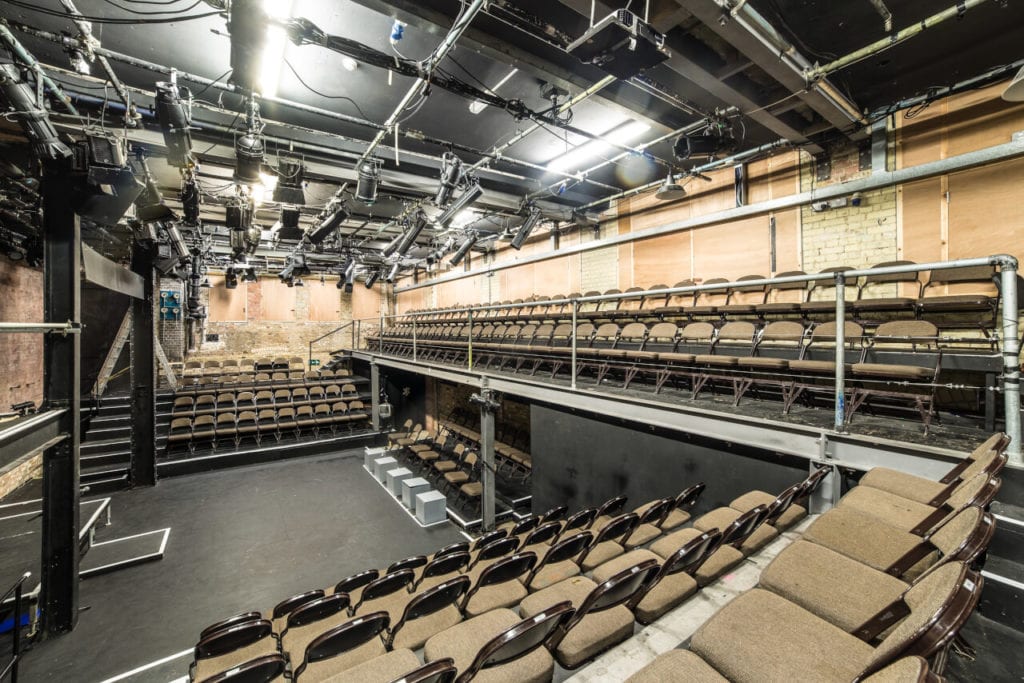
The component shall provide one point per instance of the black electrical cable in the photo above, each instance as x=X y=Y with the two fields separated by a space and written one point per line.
x=322 y=94
x=107 y=20
x=180 y=10
x=213 y=82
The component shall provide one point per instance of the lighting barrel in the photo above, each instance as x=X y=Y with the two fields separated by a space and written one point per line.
x=328 y=225
x=451 y=172
x=21 y=100
x=464 y=248
x=412 y=233
x=472 y=193
x=174 y=118
x=526 y=228
x=368 y=180
x=372 y=278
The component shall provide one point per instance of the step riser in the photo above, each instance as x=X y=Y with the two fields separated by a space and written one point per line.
x=1003 y=601
x=105 y=461
x=1008 y=541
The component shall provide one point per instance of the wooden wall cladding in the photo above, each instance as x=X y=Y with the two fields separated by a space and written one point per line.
x=226 y=305
x=324 y=301
x=366 y=302
x=277 y=301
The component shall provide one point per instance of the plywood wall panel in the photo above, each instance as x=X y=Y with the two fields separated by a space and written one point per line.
x=921 y=206
x=986 y=214
x=787 y=240
x=277 y=301
x=324 y=301
x=662 y=260
x=226 y=305
x=732 y=249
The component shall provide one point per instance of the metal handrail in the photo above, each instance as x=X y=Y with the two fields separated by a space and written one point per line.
x=309 y=363
x=12 y=666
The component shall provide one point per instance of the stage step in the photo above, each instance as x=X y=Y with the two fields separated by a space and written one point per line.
x=100 y=460
x=1002 y=599
x=94 y=446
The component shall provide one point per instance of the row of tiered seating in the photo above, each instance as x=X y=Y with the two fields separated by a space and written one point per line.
x=510 y=604
x=899 y=362
x=739 y=300
x=234 y=366
x=232 y=401
x=196 y=385
x=276 y=421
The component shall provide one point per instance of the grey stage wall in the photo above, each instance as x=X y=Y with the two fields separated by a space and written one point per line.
x=581 y=461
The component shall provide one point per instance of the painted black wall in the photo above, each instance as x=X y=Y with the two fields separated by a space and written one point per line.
x=580 y=460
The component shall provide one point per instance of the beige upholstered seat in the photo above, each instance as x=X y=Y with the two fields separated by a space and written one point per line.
x=214 y=665
x=677 y=665
x=840 y=590
x=749 y=501
x=462 y=642
x=666 y=594
x=387 y=667
x=721 y=518
x=721 y=561
x=327 y=669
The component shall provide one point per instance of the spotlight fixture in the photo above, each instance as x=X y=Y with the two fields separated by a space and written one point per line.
x=249 y=274
x=175 y=117
x=472 y=193
x=230 y=279
x=205 y=284
x=451 y=173
x=297 y=282
x=526 y=228
x=248 y=158
x=391 y=246
x=288 y=226
x=24 y=107
x=372 y=278
x=368 y=180
x=178 y=245
x=331 y=221
x=714 y=141
x=393 y=273
x=190 y=199
x=464 y=248
x=670 y=189
x=350 y=276
x=418 y=223
x=291 y=176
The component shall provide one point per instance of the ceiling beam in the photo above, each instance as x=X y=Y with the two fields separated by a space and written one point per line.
x=421 y=15
x=734 y=32
x=690 y=69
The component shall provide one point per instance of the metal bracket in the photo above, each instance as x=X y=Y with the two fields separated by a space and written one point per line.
x=487 y=399
x=822 y=166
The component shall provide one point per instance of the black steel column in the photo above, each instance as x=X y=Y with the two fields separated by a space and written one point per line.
x=61 y=389
x=143 y=371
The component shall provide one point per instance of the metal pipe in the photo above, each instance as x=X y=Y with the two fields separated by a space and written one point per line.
x=414 y=352
x=710 y=166
x=439 y=53
x=15 y=46
x=880 y=179
x=815 y=73
x=1011 y=360
x=63 y=328
x=469 y=347
x=575 y=316
x=840 y=357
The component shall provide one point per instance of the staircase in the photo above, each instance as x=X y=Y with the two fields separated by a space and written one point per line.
x=106 y=440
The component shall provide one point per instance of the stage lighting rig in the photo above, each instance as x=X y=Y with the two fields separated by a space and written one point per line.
x=247 y=25
x=393 y=273
x=175 y=117
x=372 y=278
x=190 y=198
x=336 y=213
x=24 y=104
x=472 y=193
x=368 y=180
x=245 y=235
x=419 y=222
x=717 y=140
x=451 y=174
x=249 y=147
x=287 y=227
x=464 y=248
x=230 y=279
x=531 y=220
x=291 y=174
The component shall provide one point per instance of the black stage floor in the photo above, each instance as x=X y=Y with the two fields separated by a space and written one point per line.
x=240 y=539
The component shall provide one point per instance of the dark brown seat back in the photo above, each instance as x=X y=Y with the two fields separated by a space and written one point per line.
x=461 y=547
x=525 y=525
x=260 y=670
x=505 y=569
x=342 y=639
x=617 y=590
x=288 y=605
x=612 y=506
x=229 y=622
x=356 y=581
x=555 y=513
x=518 y=641
x=232 y=638
x=445 y=564
x=414 y=562
x=542 y=534
x=429 y=601
x=439 y=671
x=744 y=525
x=316 y=610
x=386 y=585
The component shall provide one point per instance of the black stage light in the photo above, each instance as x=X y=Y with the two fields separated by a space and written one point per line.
x=249 y=274
x=230 y=279
x=330 y=222
x=190 y=199
x=526 y=228
x=368 y=180
x=419 y=222
x=287 y=227
x=393 y=273
x=464 y=248
x=110 y=186
x=174 y=117
x=372 y=278
x=248 y=158
x=23 y=107
x=451 y=173
x=178 y=244
x=391 y=246
x=471 y=194
x=290 y=181
x=247 y=25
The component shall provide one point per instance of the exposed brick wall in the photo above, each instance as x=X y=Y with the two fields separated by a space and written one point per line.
x=444 y=397
x=171 y=333
x=22 y=301
x=20 y=471
x=857 y=236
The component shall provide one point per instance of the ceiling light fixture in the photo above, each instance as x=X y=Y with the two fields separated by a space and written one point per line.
x=472 y=193
x=451 y=173
x=476 y=106
x=289 y=181
x=620 y=135
x=368 y=180
x=331 y=221
x=419 y=222
x=670 y=189
x=526 y=228
x=274 y=46
x=175 y=117
x=349 y=64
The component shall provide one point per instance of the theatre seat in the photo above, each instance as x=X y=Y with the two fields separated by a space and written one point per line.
x=498 y=584
x=558 y=563
x=341 y=648
x=427 y=614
